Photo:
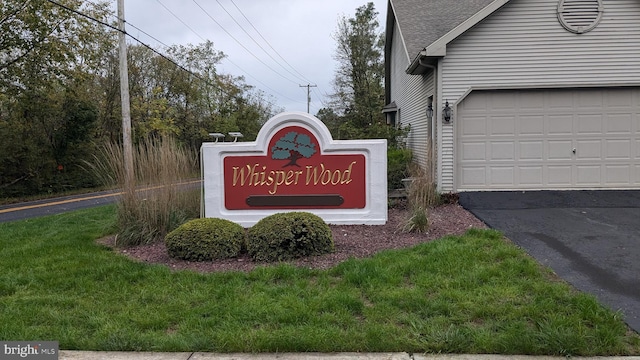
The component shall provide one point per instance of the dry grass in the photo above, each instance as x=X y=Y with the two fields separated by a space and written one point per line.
x=422 y=194
x=157 y=204
x=422 y=191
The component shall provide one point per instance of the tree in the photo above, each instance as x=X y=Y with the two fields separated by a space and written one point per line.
x=60 y=94
x=358 y=81
x=292 y=147
x=42 y=40
x=167 y=100
x=48 y=60
x=331 y=120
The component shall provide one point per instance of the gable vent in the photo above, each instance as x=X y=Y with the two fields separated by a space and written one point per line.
x=580 y=16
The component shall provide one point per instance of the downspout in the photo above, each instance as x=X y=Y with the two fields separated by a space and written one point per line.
x=434 y=161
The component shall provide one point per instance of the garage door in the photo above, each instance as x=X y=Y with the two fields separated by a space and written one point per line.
x=548 y=139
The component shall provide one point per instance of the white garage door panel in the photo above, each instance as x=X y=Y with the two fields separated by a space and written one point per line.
x=503 y=126
x=619 y=124
x=475 y=176
x=549 y=139
x=502 y=150
x=618 y=174
x=474 y=151
x=588 y=150
x=502 y=175
x=590 y=124
x=619 y=149
x=531 y=176
x=531 y=125
x=559 y=176
x=531 y=150
x=588 y=175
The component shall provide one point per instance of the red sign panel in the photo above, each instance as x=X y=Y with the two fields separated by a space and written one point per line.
x=294 y=175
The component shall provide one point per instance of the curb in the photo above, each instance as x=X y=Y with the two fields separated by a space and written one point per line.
x=116 y=355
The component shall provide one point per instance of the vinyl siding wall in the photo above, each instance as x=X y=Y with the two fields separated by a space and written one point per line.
x=411 y=94
x=522 y=45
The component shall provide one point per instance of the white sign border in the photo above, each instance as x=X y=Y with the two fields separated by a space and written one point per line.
x=374 y=151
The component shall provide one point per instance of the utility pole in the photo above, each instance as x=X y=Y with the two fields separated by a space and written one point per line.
x=127 y=148
x=308 y=86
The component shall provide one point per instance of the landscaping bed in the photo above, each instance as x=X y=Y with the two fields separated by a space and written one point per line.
x=351 y=241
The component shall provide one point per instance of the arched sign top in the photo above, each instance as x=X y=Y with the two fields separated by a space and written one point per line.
x=280 y=121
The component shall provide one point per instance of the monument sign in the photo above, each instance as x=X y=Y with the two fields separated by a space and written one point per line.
x=295 y=165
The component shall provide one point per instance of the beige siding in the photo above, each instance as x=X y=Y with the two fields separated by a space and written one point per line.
x=414 y=113
x=411 y=94
x=523 y=45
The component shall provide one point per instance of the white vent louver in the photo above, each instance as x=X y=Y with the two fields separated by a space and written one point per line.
x=580 y=16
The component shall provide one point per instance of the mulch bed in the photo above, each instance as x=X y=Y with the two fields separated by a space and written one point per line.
x=351 y=241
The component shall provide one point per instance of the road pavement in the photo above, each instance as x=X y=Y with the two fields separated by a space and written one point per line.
x=37 y=208
x=31 y=209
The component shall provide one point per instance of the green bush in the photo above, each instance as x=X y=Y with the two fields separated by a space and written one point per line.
x=206 y=239
x=398 y=161
x=287 y=236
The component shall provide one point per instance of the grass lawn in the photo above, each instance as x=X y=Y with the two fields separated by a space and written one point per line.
x=475 y=293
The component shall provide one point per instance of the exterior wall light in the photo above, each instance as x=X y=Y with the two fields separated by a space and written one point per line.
x=447 y=112
x=429 y=111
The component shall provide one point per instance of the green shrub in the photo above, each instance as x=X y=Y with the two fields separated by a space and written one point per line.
x=206 y=239
x=398 y=161
x=287 y=236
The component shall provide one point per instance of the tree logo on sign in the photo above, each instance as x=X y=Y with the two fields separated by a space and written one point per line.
x=293 y=146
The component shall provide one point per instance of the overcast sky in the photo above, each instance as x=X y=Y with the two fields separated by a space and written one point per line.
x=300 y=31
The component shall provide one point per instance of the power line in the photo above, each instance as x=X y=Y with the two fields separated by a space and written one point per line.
x=197 y=76
x=183 y=23
x=300 y=75
x=260 y=82
x=84 y=15
x=139 y=41
x=257 y=43
x=9 y=16
x=149 y=35
x=240 y=43
x=226 y=58
x=267 y=42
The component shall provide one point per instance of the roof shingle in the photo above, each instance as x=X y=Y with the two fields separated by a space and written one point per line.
x=422 y=22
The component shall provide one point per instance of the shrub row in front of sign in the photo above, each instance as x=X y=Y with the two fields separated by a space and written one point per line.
x=287 y=236
x=278 y=237
x=206 y=239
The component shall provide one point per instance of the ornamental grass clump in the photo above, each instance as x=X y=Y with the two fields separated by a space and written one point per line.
x=422 y=195
x=418 y=221
x=206 y=239
x=158 y=203
x=288 y=236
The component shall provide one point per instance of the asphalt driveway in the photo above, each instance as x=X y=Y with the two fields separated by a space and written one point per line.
x=589 y=238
